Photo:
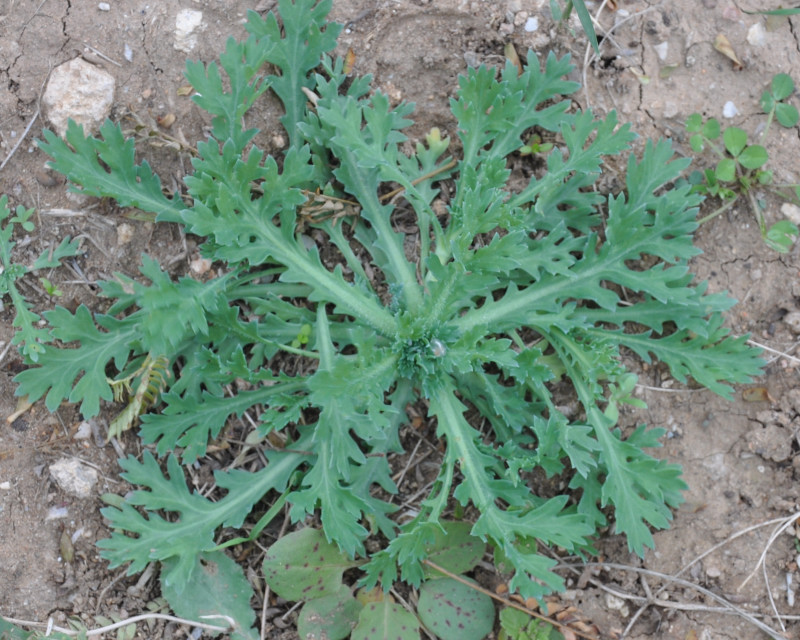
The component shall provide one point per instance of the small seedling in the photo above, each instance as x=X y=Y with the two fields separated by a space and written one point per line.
x=50 y=289
x=740 y=166
x=30 y=335
x=518 y=625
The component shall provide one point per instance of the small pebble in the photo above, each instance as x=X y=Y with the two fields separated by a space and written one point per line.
x=84 y=431
x=104 y=6
x=124 y=234
x=56 y=513
x=200 y=266
x=532 y=24
x=128 y=52
x=661 y=50
x=5 y=486
x=792 y=320
x=73 y=477
x=791 y=212
x=616 y=604
x=729 y=110
x=757 y=35
x=472 y=59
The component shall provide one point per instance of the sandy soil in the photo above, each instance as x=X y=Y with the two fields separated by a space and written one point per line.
x=740 y=458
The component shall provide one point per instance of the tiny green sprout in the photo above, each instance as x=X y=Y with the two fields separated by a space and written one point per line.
x=518 y=625
x=51 y=289
x=302 y=337
x=436 y=143
x=22 y=218
x=535 y=145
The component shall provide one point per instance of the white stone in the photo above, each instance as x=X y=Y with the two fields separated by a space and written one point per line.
x=713 y=571
x=729 y=110
x=532 y=24
x=74 y=477
x=662 y=48
x=671 y=109
x=104 y=6
x=792 y=320
x=188 y=23
x=791 y=212
x=757 y=35
x=80 y=91
x=124 y=234
x=84 y=431
x=617 y=604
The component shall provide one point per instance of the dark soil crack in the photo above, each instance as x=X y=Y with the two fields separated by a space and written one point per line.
x=64 y=19
x=156 y=70
x=744 y=259
x=641 y=64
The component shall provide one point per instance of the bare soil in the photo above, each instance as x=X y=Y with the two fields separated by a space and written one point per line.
x=740 y=458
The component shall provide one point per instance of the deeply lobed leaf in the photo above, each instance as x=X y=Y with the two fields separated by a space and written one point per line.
x=490 y=298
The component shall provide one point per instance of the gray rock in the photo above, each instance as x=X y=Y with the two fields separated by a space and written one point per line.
x=81 y=91
x=188 y=23
x=74 y=477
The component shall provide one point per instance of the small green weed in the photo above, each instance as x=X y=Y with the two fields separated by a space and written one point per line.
x=561 y=14
x=518 y=625
x=739 y=168
x=474 y=313
x=30 y=335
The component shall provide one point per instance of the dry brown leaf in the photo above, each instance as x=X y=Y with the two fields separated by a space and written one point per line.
x=349 y=62
x=757 y=394
x=166 y=121
x=511 y=55
x=724 y=46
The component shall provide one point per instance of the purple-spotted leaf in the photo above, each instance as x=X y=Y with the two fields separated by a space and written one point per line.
x=304 y=565
x=331 y=617
x=454 y=549
x=455 y=611
x=385 y=620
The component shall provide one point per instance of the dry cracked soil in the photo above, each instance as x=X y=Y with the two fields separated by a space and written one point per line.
x=657 y=66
